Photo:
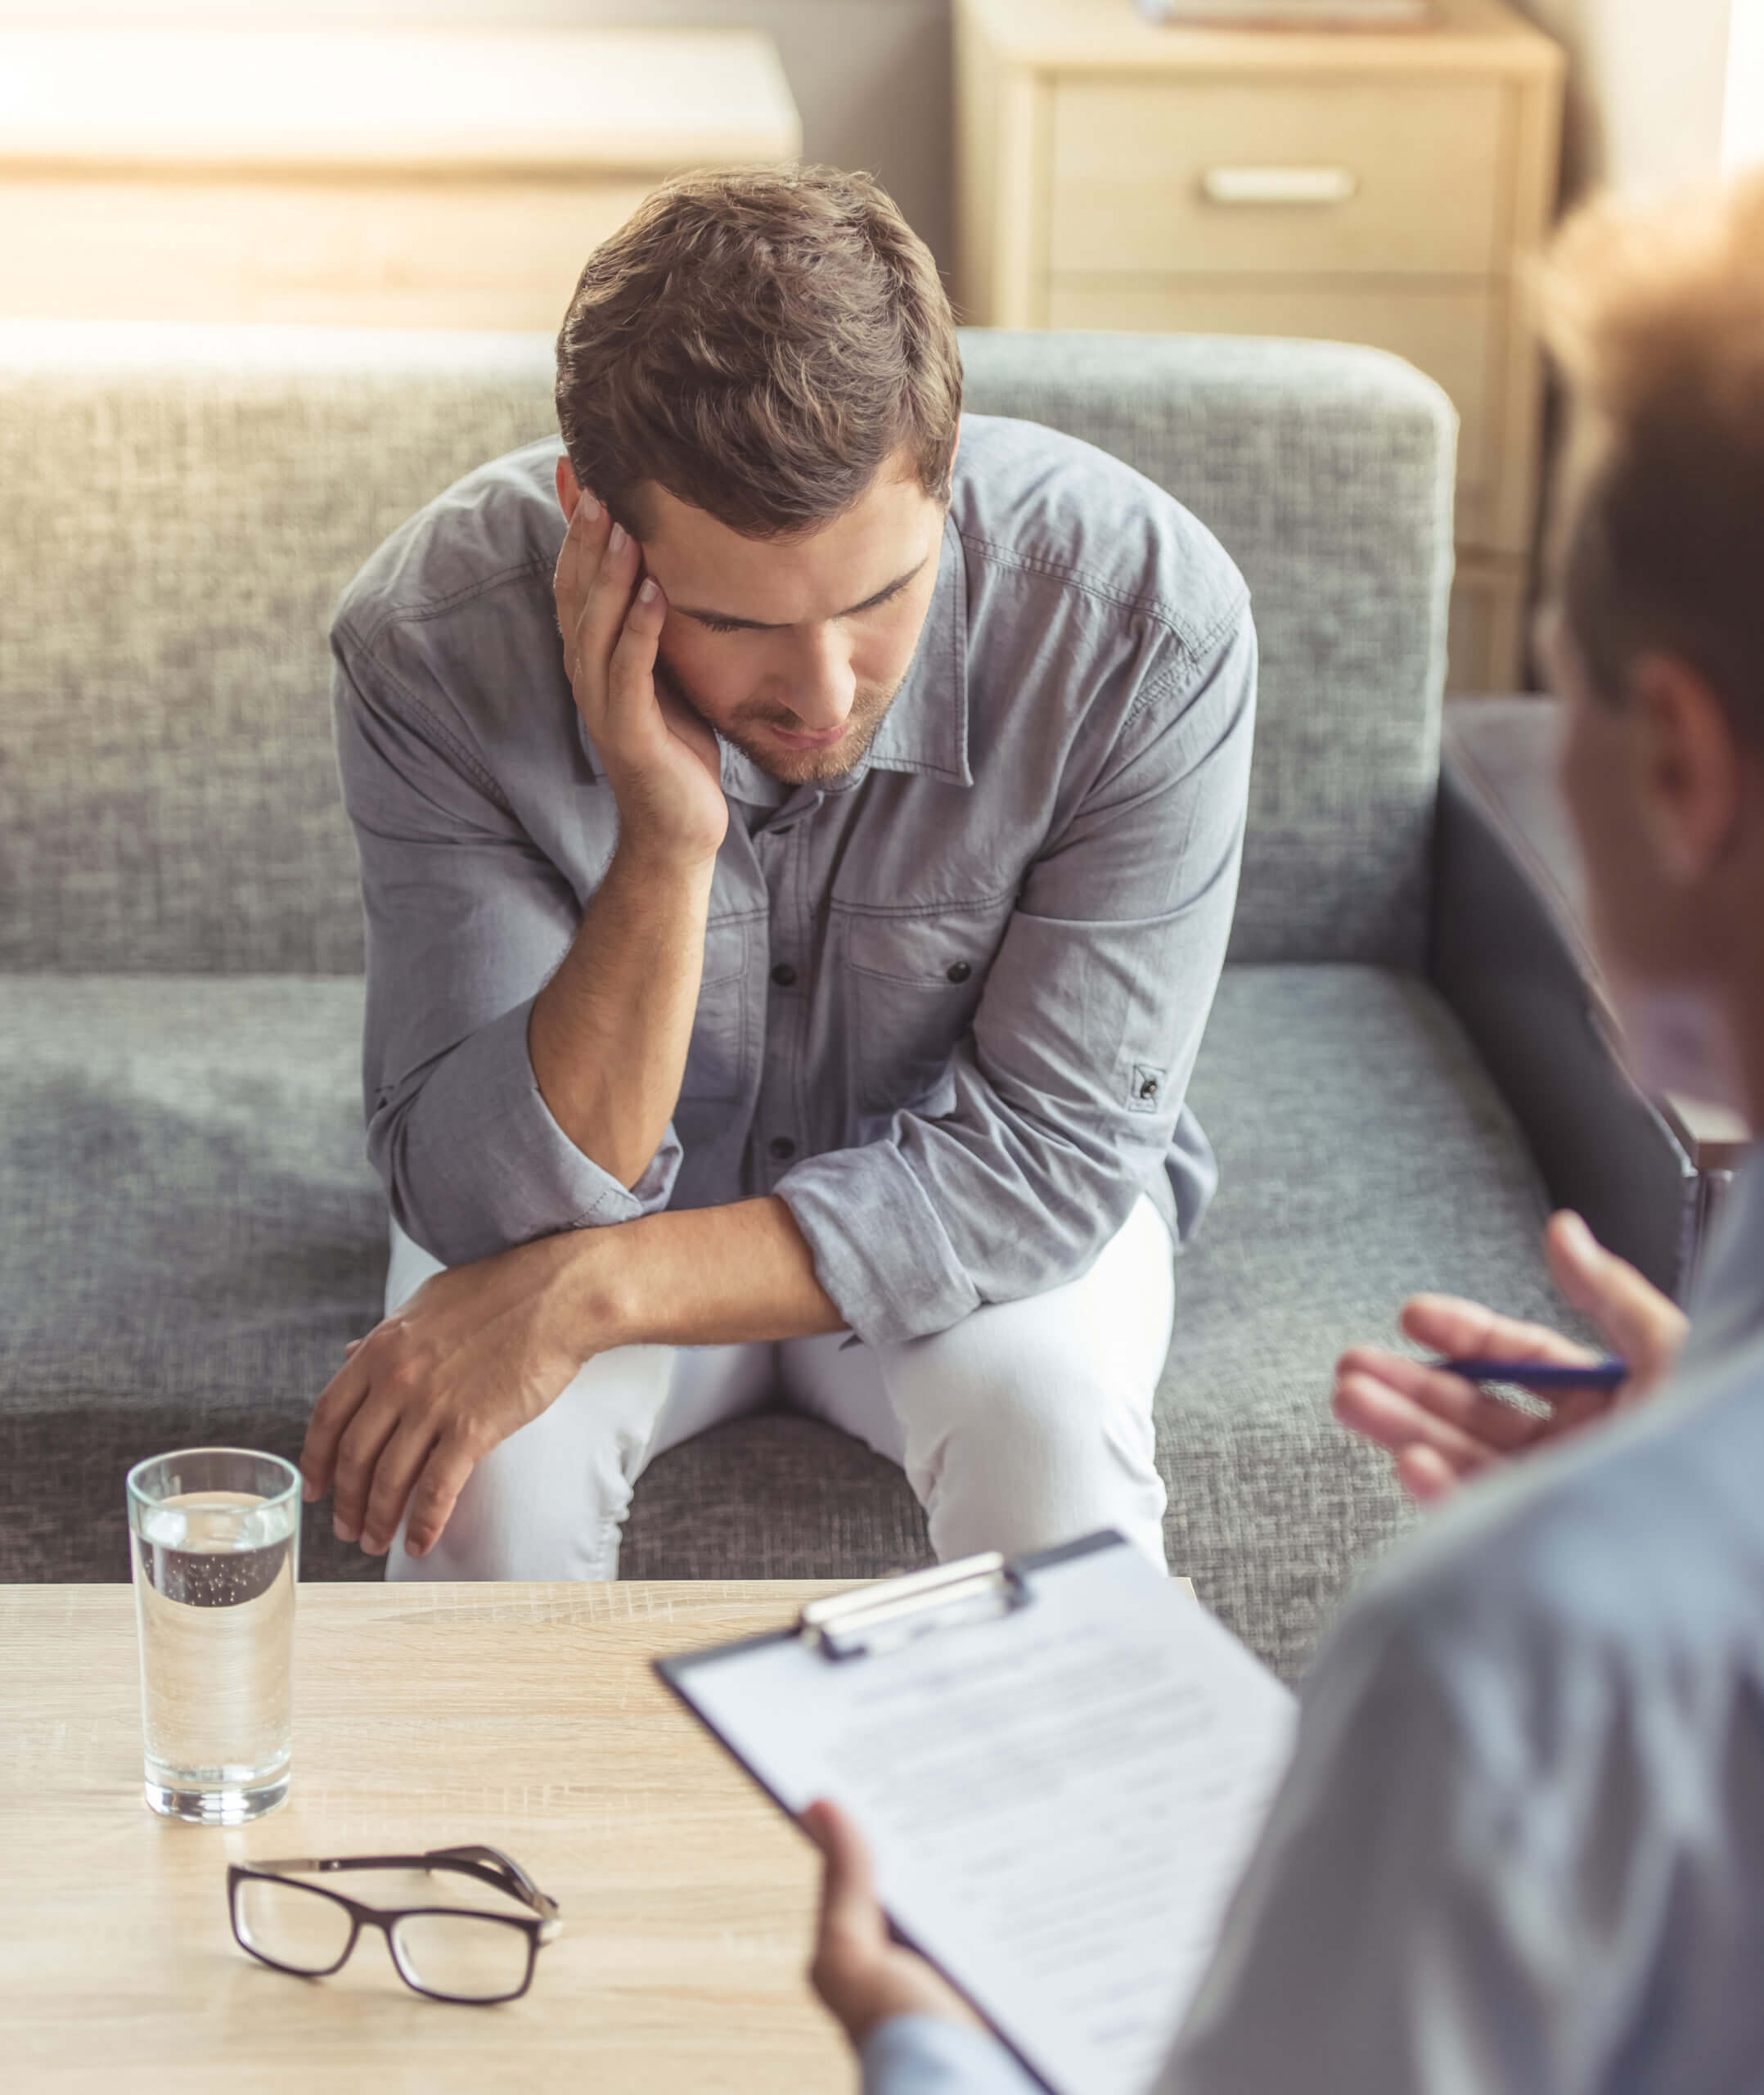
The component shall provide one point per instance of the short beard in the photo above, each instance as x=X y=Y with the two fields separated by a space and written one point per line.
x=809 y=767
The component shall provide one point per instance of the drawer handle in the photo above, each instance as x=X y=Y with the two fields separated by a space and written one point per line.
x=1279 y=185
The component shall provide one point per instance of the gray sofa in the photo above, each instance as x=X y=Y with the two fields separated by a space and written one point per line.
x=189 y=1231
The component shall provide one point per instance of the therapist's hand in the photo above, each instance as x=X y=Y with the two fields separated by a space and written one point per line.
x=860 y=1971
x=1439 y=1430
x=477 y=1352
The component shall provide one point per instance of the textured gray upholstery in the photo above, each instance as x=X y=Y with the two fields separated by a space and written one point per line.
x=1326 y=473
x=193 y=1235
x=184 y=506
x=189 y=1231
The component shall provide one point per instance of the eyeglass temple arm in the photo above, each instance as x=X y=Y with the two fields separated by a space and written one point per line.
x=494 y=1868
x=502 y=1872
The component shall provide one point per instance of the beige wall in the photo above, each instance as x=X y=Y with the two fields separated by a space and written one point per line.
x=870 y=77
x=1647 y=86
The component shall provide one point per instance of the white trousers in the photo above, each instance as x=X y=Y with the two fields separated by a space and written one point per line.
x=1021 y=1426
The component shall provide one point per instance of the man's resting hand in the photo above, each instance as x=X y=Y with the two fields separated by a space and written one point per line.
x=476 y=1353
x=1440 y=1429
x=479 y=1351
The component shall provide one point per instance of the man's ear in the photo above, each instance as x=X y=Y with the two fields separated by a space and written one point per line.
x=1690 y=767
x=569 y=487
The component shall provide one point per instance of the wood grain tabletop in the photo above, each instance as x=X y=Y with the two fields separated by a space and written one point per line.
x=526 y=1716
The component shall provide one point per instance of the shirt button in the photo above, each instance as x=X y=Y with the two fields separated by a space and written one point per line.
x=784 y=974
x=782 y=1147
x=958 y=971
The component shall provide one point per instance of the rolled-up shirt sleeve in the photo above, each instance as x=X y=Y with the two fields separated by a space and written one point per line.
x=1068 y=1089
x=465 y=920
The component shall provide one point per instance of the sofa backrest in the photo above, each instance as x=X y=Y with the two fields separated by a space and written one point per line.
x=183 y=506
x=1326 y=473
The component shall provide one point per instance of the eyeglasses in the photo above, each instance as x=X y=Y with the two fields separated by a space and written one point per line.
x=449 y=1953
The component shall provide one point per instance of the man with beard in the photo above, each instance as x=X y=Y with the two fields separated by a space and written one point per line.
x=797 y=862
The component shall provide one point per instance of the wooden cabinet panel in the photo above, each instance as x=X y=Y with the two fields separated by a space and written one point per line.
x=1485 y=630
x=1454 y=332
x=1160 y=175
x=389 y=176
x=1374 y=187
x=372 y=254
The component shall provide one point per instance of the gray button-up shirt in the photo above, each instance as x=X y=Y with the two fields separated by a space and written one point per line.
x=950 y=1002
x=1521 y=1848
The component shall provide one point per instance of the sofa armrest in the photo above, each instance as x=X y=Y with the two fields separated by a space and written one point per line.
x=1511 y=953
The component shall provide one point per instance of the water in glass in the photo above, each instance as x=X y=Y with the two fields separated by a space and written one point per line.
x=214 y=1574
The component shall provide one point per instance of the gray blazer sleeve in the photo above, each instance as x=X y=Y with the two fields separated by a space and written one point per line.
x=925 y=2054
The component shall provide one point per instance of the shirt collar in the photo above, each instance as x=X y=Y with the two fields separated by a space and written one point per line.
x=742 y=779
x=925 y=730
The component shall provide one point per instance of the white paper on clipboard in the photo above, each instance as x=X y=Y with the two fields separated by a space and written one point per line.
x=1060 y=1798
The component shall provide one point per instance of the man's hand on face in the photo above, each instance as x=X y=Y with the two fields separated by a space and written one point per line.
x=662 y=761
x=1440 y=1429
x=476 y=1353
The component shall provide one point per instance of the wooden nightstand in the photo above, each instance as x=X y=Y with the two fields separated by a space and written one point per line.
x=1364 y=187
x=367 y=178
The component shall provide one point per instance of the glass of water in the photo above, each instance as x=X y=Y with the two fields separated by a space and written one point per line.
x=214 y=1536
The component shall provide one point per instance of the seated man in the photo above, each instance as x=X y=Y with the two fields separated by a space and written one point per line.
x=1520 y=1851
x=790 y=978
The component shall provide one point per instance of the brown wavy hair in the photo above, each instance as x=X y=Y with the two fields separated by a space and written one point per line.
x=759 y=342
x=1656 y=315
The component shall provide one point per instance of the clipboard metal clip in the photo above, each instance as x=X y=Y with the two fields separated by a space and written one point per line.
x=878 y=1618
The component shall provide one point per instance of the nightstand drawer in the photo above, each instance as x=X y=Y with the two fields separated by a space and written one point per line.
x=1248 y=175
x=1452 y=331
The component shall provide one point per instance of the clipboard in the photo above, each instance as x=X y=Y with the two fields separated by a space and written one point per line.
x=1060 y=1764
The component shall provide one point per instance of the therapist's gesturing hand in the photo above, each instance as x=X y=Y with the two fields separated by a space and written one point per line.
x=859 y=1971
x=476 y=1353
x=1440 y=1429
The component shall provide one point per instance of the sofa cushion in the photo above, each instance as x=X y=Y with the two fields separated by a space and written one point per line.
x=1364 y=1154
x=192 y=1232
x=192 y=1235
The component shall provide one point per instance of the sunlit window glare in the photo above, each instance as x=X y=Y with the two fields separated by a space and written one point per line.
x=1743 y=120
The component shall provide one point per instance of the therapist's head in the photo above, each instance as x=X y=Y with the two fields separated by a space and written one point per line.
x=759 y=377
x=1655 y=631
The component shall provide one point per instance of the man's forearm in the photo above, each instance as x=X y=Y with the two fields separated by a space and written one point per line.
x=700 y=1277
x=609 y=1033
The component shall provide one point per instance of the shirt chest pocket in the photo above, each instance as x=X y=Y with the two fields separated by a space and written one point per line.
x=716 y=1056
x=911 y=986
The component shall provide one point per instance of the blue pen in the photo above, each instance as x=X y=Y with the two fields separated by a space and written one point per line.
x=1546 y=1377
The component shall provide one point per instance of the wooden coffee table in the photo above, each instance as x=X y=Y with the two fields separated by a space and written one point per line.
x=523 y=1715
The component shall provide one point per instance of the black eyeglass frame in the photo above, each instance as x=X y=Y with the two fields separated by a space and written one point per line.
x=488 y=1865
